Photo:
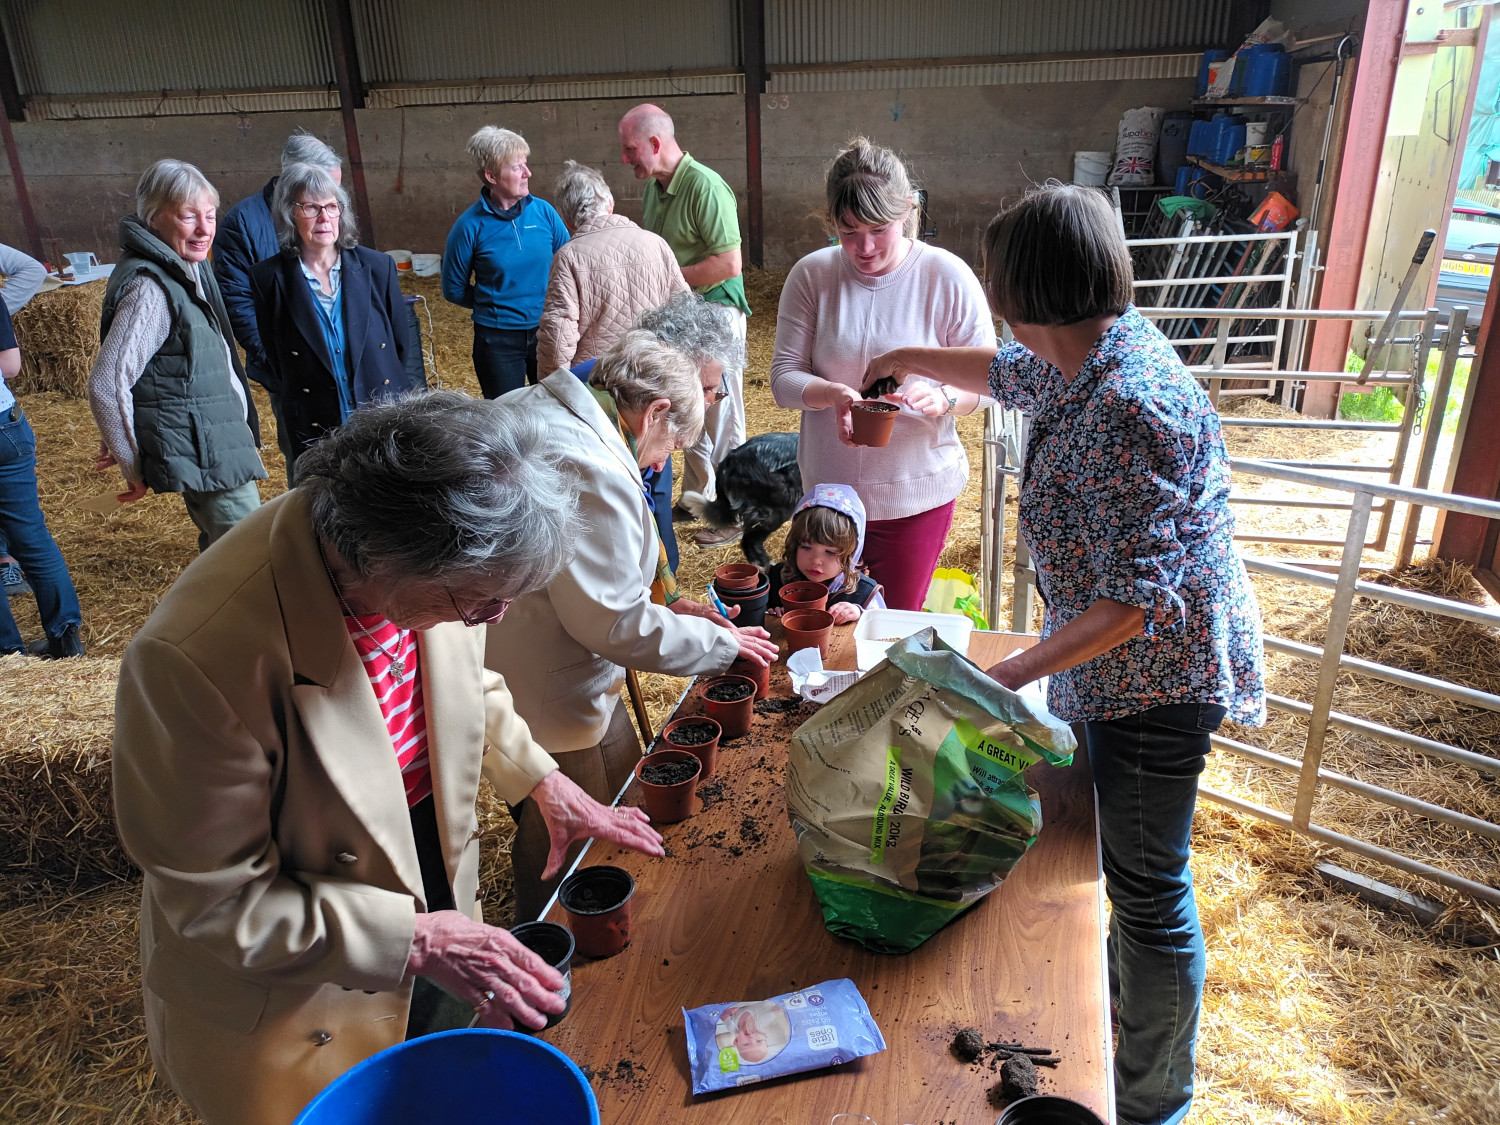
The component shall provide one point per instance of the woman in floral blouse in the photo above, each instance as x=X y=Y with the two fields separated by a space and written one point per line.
x=1152 y=634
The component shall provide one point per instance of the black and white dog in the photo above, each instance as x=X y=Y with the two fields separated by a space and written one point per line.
x=758 y=486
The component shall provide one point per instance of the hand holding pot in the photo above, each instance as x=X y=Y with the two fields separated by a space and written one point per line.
x=571 y=814
x=487 y=967
x=823 y=393
x=756 y=645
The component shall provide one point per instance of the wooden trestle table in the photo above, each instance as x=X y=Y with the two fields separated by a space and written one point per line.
x=730 y=915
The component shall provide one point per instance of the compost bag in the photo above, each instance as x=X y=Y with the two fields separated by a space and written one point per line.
x=907 y=793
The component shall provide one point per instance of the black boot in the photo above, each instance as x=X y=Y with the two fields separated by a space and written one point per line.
x=58 y=648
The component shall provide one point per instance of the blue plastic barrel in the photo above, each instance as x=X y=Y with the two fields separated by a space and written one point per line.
x=1180 y=186
x=477 y=1076
x=1171 y=150
x=1268 y=73
x=1198 y=138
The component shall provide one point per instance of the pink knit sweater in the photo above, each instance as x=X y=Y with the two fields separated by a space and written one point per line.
x=833 y=320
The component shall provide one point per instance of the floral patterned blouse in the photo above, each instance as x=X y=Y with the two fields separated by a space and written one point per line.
x=1126 y=496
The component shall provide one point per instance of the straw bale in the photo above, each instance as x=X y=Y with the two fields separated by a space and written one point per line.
x=58 y=332
x=56 y=813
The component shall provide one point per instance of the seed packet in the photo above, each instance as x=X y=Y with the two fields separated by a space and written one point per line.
x=736 y=1044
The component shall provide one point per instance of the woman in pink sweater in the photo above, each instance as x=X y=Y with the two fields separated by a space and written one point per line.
x=844 y=305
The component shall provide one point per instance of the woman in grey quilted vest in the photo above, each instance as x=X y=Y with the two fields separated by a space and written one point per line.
x=167 y=391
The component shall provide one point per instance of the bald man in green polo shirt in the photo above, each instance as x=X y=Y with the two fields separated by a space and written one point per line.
x=691 y=206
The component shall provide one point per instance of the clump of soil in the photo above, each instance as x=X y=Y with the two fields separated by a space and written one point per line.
x=1017 y=1080
x=626 y=1072
x=728 y=693
x=750 y=830
x=712 y=793
x=968 y=1045
x=778 y=706
x=693 y=734
x=669 y=773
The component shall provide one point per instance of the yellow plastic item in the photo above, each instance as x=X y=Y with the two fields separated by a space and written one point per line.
x=954 y=591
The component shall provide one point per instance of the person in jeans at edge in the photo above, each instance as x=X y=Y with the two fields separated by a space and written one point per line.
x=246 y=235
x=167 y=390
x=498 y=259
x=691 y=206
x=23 y=277
x=1152 y=635
x=23 y=527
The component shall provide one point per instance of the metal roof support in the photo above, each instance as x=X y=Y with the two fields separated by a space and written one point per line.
x=351 y=97
x=753 y=46
x=15 y=110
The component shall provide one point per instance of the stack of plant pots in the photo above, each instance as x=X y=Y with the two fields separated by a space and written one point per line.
x=743 y=585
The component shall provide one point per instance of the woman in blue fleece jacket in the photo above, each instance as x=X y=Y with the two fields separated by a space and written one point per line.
x=498 y=260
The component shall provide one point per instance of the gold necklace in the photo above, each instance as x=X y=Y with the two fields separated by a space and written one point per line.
x=398 y=666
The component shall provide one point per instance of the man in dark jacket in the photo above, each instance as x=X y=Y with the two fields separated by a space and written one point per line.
x=246 y=236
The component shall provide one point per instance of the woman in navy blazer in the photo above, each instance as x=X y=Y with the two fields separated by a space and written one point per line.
x=331 y=316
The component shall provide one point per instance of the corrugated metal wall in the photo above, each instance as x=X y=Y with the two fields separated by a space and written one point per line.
x=407 y=41
x=821 y=31
x=81 y=47
x=91 y=58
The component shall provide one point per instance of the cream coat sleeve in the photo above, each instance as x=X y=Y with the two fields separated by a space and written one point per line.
x=557 y=334
x=513 y=762
x=193 y=802
x=602 y=601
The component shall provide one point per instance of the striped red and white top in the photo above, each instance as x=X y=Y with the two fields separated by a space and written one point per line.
x=400 y=703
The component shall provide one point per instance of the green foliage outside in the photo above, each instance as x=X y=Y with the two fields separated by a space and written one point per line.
x=1381 y=405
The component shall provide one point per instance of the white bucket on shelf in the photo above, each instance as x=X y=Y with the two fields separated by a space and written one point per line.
x=402 y=257
x=1090 y=168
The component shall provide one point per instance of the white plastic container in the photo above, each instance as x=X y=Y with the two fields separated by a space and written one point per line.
x=878 y=629
x=426 y=265
x=402 y=257
x=1090 y=168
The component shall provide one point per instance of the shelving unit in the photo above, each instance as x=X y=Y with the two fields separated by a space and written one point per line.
x=1267 y=102
x=1233 y=175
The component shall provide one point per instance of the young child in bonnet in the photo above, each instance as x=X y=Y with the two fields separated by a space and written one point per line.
x=824 y=544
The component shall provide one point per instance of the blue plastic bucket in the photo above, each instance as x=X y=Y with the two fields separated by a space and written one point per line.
x=477 y=1076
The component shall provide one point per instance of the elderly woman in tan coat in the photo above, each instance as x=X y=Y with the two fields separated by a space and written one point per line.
x=300 y=729
x=614 y=605
x=604 y=278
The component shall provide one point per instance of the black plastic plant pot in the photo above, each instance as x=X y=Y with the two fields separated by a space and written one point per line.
x=1046 y=1109
x=553 y=944
x=752 y=604
x=597 y=900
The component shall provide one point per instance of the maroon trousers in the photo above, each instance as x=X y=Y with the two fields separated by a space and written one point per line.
x=902 y=554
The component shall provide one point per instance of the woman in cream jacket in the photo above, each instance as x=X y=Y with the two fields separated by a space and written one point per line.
x=614 y=605
x=300 y=729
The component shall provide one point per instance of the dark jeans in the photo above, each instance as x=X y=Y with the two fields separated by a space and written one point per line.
x=504 y=358
x=25 y=531
x=1146 y=769
x=661 y=500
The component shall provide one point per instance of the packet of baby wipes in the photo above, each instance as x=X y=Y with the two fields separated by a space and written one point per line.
x=736 y=1044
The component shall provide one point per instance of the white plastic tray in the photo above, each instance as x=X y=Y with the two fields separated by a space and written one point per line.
x=878 y=629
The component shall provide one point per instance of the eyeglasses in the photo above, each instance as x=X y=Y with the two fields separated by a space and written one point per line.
x=313 y=210
x=487 y=614
x=714 y=397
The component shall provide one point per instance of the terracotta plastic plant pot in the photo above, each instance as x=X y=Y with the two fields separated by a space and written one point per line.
x=667 y=803
x=752 y=603
x=804 y=595
x=553 y=944
x=760 y=673
x=808 y=628
x=733 y=715
x=597 y=902
x=873 y=422
x=1045 y=1109
x=707 y=753
x=737 y=576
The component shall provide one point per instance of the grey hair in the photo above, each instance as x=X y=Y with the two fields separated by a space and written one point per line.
x=170 y=183
x=642 y=368
x=304 y=148
x=308 y=179
x=493 y=146
x=441 y=486
x=581 y=193
x=700 y=329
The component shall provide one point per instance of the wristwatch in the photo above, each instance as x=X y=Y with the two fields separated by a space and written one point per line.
x=952 y=401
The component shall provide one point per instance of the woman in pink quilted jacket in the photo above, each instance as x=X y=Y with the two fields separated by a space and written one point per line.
x=606 y=276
